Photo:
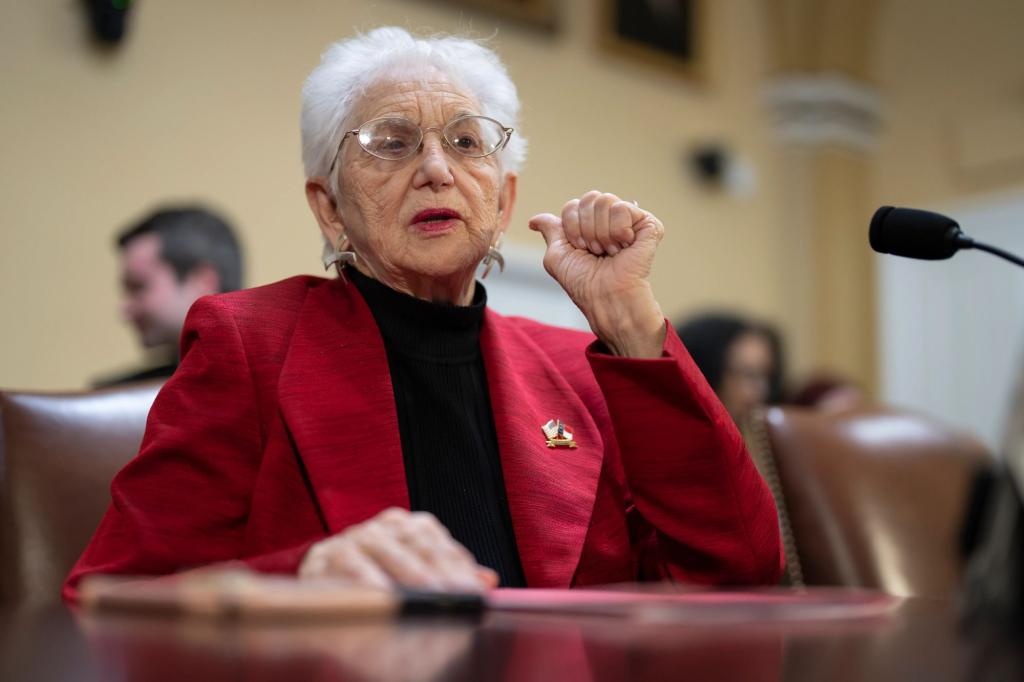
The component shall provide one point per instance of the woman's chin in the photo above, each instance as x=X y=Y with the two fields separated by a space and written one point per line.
x=443 y=257
x=443 y=265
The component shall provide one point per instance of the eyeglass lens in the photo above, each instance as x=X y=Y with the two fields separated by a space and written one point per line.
x=397 y=138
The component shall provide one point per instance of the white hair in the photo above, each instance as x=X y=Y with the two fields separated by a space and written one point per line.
x=348 y=68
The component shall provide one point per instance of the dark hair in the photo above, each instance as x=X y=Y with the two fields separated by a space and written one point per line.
x=708 y=337
x=190 y=237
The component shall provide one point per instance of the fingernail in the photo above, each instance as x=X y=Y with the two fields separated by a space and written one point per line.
x=596 y=247
x=581 y=243
x=612 y=250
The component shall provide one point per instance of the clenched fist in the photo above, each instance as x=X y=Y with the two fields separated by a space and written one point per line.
x=601 y=250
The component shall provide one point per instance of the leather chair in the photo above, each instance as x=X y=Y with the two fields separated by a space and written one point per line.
x=874 y=497
x=61 y=452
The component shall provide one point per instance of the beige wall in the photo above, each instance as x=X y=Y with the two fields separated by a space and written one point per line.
x=952 y=77
x=202 y=102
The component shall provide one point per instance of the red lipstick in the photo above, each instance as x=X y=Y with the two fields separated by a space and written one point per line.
x=435 y=219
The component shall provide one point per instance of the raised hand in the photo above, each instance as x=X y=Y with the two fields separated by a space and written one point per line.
x=601 y=250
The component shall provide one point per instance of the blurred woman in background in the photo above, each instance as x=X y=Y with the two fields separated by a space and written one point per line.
x=741 y=359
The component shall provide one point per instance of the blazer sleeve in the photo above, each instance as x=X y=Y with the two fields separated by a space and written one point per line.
x=184 y=500
x=705 y=514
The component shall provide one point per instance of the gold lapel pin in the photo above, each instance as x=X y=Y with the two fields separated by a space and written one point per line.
x=558 y=434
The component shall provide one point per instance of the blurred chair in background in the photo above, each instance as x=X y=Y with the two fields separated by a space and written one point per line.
x=60 y=453
x=828 y=392
x=869 y=498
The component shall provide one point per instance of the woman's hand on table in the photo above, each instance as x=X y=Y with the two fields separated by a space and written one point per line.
x=398 y=548
x=600 y=251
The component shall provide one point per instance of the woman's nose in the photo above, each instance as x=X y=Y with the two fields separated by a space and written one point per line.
x=434 y=163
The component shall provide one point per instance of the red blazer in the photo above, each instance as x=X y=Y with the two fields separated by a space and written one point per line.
x=279 y=429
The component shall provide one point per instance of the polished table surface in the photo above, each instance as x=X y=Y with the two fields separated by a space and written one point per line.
x=915 y=639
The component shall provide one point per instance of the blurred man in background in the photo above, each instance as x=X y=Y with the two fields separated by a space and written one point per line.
x=168 y=260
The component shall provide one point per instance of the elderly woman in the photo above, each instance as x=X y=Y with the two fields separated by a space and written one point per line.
x=308 y=417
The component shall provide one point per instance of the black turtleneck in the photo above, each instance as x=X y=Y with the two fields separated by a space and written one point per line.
x=445 y=421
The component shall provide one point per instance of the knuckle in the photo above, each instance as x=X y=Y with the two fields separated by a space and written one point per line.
x=422 y=518
x=367 y=534
x=326 y=546
x=621 y=233
x=423 y=522
x=419 y=543
x=338 y=562
x=331 y=553
x=461 y=554
x=315 y=563
x=368 y=526
x=392 y=514
x=311 y=569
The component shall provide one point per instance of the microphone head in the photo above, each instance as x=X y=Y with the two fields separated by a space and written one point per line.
x=912 y=233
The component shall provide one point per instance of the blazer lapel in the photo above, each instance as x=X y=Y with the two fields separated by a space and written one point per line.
x=551 y=491
x=336 y=398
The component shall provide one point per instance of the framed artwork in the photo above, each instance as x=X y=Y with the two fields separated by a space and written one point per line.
x=663 y=33
x=542 y=14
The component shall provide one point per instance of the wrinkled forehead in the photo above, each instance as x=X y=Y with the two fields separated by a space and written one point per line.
x=425 y=95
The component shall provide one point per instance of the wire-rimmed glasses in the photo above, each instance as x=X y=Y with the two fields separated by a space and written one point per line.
x=394 y=138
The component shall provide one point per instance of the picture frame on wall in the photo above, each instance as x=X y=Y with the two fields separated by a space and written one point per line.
x=542 y=14
x=666 y=34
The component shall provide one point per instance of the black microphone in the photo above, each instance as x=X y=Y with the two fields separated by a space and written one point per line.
x=913 y=233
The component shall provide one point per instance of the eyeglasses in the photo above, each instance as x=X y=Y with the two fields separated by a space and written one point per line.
x=396 y=138
x=749 y=375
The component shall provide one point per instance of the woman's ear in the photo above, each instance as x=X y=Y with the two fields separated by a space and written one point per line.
x=506 y=201
x=325 y=210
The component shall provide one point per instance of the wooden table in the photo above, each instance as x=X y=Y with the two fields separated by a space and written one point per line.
x=918 y=639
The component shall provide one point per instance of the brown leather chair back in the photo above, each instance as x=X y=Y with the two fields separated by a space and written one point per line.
x=62 y=450
x=875 y=497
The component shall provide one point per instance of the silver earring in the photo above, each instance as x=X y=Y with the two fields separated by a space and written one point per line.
x=341 y=256
x=493 y=256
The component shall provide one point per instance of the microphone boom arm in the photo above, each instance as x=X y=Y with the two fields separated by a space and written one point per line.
x=965 y=242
